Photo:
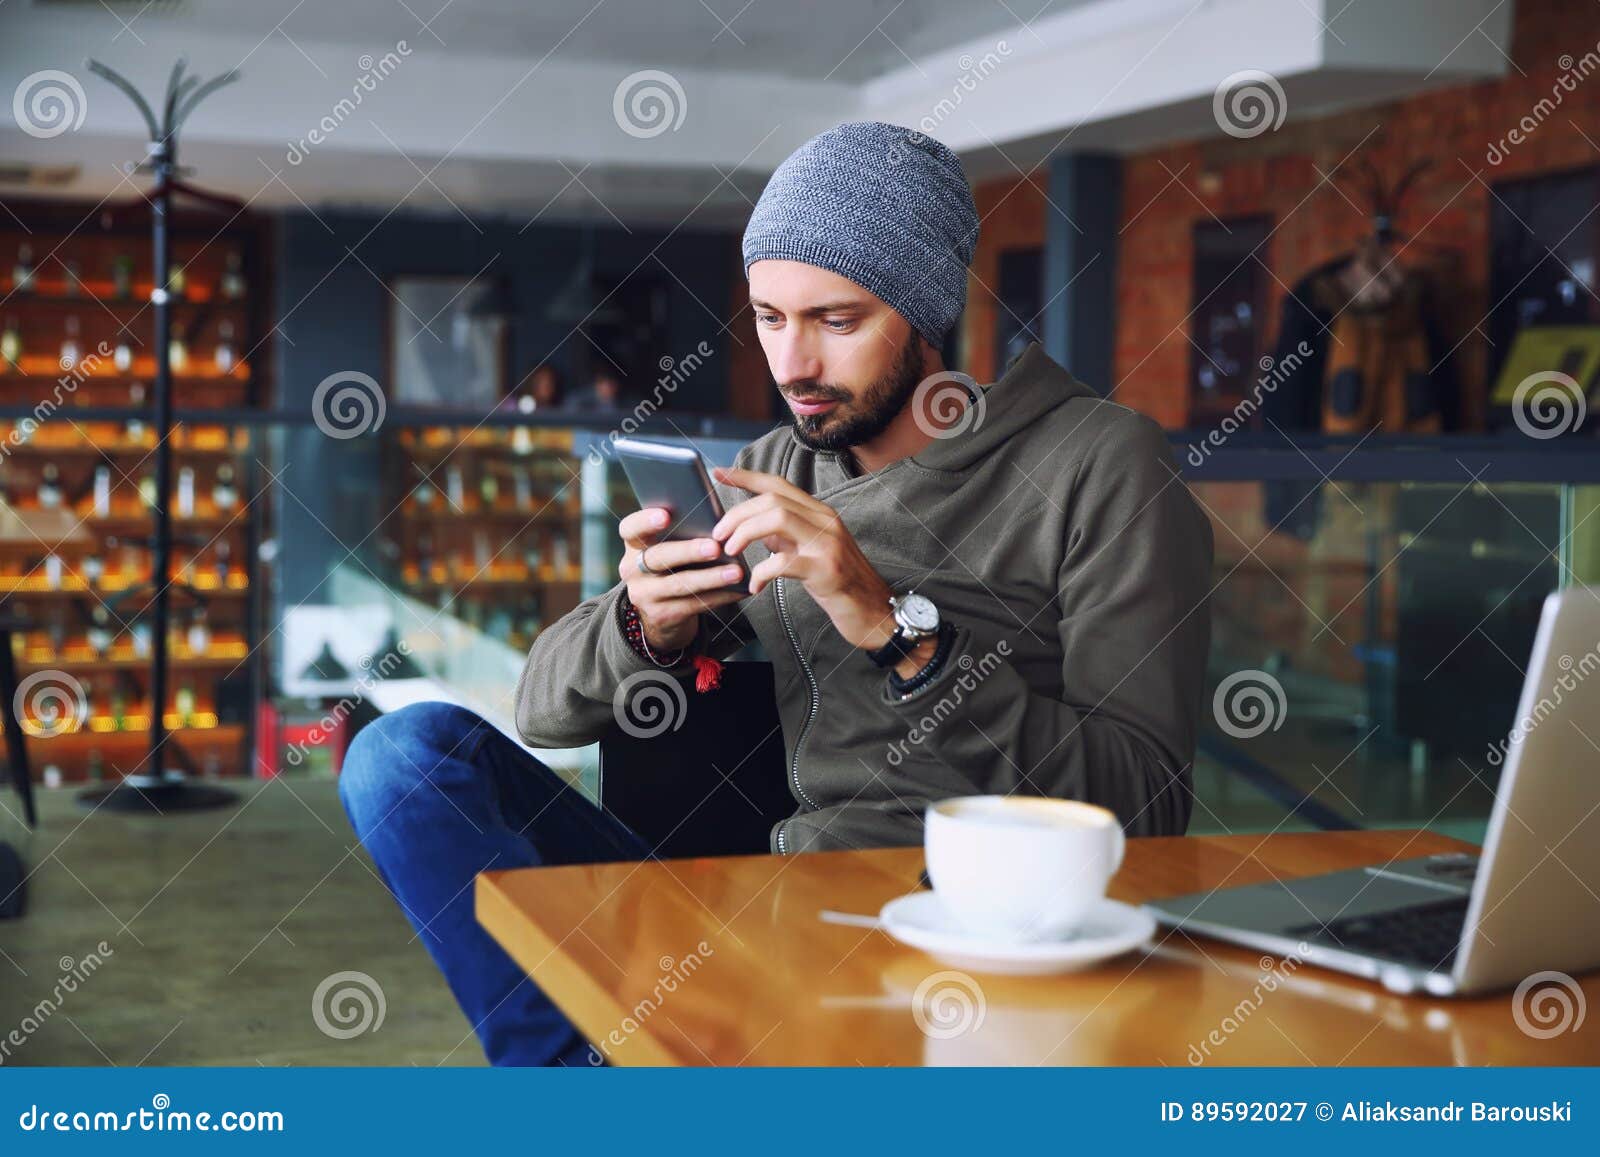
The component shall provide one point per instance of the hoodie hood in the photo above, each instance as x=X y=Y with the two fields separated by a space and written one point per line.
x=1031 y=387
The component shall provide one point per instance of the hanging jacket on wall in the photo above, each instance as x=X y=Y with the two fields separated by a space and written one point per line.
x=1312 y=312
x=1378 y=375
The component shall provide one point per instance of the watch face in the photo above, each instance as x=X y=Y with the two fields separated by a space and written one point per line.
x=918 y=613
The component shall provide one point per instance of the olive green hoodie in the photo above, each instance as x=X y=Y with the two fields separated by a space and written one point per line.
x=1053 y=530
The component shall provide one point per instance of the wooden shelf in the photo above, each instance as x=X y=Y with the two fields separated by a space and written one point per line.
x=563 y=516
x=73 y=586
x=414 y=582
x=131 y=662
x=83 y=449
x=38 y=369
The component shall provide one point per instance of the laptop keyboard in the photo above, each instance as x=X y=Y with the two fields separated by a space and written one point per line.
x=1426 y=935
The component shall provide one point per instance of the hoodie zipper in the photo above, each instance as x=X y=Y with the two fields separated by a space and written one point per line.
x=811 y=711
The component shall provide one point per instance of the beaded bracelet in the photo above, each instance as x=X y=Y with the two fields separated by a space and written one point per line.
x=905 y=688
x=707 y=671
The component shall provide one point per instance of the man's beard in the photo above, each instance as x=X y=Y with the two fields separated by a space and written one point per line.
x=870 y=414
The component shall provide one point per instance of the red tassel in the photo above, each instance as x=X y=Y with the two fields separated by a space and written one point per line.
x=707 y=673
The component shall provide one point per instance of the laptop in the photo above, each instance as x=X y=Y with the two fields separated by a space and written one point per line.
x=1458 y=924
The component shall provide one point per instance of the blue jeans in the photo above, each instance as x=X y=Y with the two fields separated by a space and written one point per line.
x=437 y=795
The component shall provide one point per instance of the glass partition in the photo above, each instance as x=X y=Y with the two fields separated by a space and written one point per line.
x=1373 y=606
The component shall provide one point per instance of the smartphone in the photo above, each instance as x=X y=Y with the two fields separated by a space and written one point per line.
x=675 y=477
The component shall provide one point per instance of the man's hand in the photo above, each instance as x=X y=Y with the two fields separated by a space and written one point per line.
x=669 y=603
x=810 y=544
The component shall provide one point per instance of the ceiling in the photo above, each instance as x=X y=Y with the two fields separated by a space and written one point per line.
x=517 y=107
x=845 y=40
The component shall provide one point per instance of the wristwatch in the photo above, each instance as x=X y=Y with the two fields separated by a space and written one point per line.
x=915 y=619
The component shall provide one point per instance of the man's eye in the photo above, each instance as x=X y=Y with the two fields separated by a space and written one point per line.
x=839 y=324
x=767 y=318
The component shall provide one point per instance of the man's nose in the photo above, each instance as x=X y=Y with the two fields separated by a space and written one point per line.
x=794 y=359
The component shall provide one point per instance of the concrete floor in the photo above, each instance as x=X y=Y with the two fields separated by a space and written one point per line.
x=221 y=926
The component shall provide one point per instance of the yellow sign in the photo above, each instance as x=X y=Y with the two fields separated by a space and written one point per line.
x=1557 y=351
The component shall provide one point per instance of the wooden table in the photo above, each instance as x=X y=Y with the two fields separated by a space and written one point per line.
x=724 y=961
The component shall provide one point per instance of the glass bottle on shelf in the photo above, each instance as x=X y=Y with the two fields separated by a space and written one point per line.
x=141 y=640
x=199 y=635
x=224 y=356
x=178 y=351
x=424 y=557
x=71 y=351
x=524 y=490
x=119 y=710
x=177 y=280
x=489 y=489
x=10 y=344
x=186 y=492
x=122 y=356
x=423 y=494
x=93 y=567
x=49 y=493
x=225 y=494
x=136 y=396
x=561 y=557
x=72 y=286
x=184 y=701
x=232 y=283
x=122 y=275
x=222 y=561
x=53 y=569
x=522 y=440
x=98 y=632
x=456 y=487
x=147 y=490
x=22 y=272
x=102 y=492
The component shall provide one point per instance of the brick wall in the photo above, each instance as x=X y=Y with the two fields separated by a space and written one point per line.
x=1280 y=174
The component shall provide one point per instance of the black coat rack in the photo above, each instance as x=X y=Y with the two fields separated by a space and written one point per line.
x=157 y=789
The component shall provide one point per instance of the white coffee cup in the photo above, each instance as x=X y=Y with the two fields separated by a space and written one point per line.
x=1021 y=868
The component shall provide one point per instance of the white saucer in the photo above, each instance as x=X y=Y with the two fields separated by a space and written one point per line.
x=920 y=921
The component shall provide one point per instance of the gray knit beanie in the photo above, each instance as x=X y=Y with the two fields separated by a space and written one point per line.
x=886 y=207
